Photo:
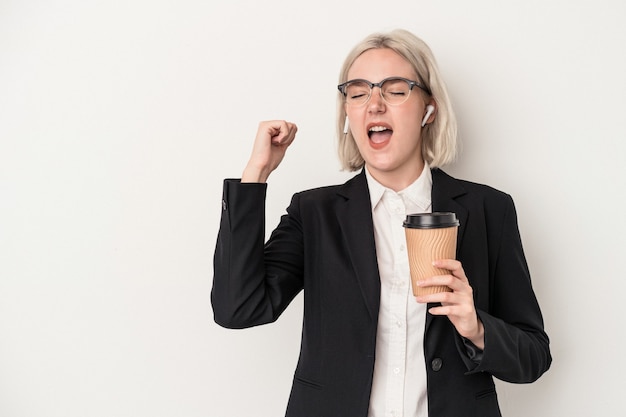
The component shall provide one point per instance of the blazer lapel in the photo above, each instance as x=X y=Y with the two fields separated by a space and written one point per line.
x=444 y=194
x=354 y=213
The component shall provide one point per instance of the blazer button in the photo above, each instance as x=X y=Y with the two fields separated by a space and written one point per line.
x=436 y=364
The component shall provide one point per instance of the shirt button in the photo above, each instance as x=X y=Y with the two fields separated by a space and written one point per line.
x=401 y=248
x=436 y=364
x=399 y=323
x=396 y=371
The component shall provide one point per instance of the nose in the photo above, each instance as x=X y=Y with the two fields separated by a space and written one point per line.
x=376 y=103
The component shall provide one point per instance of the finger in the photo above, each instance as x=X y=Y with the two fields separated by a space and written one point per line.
x=456 y=284
x=446 y=297
x=449 y=264
x=440 y=311
x=290 y=134
x=282 y=132
x=455 y=267
x=460 y=315
x=446 y=280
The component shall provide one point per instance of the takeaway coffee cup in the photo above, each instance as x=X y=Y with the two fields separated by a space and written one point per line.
x=429 y=236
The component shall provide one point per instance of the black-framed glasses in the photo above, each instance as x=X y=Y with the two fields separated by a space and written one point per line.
x=393 y=90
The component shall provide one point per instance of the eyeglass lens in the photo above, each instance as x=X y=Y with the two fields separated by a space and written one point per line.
x=393 y=91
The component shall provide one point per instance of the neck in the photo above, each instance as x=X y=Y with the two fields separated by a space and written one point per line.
x=397 y=180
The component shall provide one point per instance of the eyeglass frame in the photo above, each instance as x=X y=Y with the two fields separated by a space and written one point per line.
x=342 y=88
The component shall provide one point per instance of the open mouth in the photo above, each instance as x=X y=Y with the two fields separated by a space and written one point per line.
x=379 y=135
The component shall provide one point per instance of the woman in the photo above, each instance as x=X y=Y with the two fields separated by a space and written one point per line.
x=369 y=348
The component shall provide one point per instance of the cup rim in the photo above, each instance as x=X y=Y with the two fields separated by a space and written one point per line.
x=435 y=220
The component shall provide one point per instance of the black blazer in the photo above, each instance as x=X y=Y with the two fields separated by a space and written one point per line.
x=325 y=245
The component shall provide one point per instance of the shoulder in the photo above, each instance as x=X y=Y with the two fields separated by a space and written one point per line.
x=485 y=206
x=355 y=185
x=467 y=190
x=480 y=200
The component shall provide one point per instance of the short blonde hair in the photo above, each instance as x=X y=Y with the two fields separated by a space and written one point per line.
x=439 y=138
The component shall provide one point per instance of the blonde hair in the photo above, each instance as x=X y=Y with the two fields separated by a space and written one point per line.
x=439 y=138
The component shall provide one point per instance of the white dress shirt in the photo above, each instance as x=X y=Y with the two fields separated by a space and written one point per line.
x=399 y=384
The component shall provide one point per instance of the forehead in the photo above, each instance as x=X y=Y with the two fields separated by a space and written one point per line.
x=377 y=64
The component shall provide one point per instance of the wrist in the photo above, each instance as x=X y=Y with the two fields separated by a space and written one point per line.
x=253 y=174
x=479 y=338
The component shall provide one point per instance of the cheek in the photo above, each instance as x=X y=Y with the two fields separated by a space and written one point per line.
x=410 y=121
x=356 y=123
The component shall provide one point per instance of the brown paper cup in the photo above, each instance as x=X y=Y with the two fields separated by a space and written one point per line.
x=429 y=236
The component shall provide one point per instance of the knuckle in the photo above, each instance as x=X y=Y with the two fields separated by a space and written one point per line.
x=446 y=297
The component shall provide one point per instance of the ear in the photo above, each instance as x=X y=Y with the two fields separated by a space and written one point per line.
x=430 y=113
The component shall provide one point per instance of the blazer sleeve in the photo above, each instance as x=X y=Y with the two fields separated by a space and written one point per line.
x=516 y=345
x=253 y=283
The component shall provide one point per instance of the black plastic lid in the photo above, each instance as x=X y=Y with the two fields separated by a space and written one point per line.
x=437 y=220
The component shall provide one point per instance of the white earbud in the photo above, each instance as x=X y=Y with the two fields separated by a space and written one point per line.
x=346 y=125
x=429 y=111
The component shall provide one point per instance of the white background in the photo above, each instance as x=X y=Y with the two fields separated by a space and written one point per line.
x=119 y=120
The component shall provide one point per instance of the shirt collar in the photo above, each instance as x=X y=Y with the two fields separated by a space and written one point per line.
x=419 y=192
